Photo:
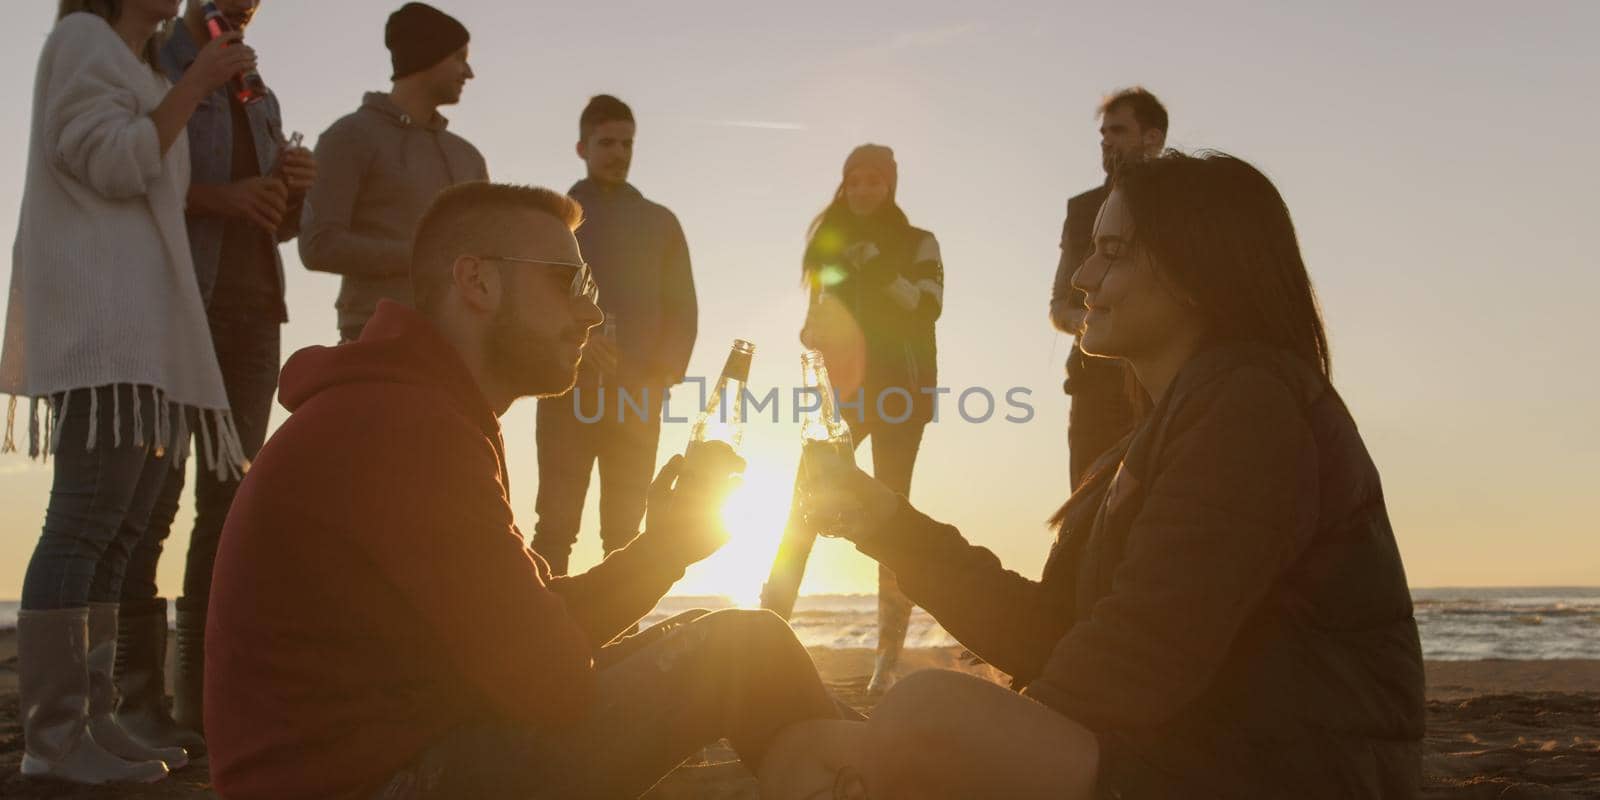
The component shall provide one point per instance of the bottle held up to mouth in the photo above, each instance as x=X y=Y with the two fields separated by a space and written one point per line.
x=247 y=86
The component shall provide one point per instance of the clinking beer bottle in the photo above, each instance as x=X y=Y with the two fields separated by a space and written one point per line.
x=715 y=423
x=825 y=440
x=720 y=426
x=247 y=86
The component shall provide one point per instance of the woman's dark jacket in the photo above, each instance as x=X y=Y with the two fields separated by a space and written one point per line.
x=1227 y=610
x=854 y=261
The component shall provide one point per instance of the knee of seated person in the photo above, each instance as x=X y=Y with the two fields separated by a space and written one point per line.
x=747 y=628
x=920 y=697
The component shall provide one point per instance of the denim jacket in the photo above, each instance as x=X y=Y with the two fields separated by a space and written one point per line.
x=211 y=158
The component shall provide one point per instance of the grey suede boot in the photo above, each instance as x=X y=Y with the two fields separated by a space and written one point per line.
x=103 y=695
x=189 y=671
x=142 y=679
x=53 y=683
x=894 y=616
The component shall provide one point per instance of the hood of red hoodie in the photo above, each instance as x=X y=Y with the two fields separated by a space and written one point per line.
x=398 y=346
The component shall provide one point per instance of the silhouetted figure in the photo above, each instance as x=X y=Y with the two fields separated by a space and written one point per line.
x=641 y=263
x=1133 y=127
x=1224 y=612
x=378 y=628
x=877 y=288
x=382 y=164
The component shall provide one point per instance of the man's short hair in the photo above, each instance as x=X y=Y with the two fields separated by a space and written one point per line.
x=477 y=218
x=1147 y=110
x=602 y=108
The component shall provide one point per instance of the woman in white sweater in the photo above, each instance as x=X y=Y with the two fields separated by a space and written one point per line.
x=106 y=342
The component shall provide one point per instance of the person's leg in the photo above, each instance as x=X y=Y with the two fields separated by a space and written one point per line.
x=109 y=573
x=782 y=588
x=98 y=483
x=1099 y=413
x=627 y=457
x=938 y=734
x=90 y=498
x=248 y=354
x=139 y=577
x=566 y=448
x=894 y=456
x=735 y=674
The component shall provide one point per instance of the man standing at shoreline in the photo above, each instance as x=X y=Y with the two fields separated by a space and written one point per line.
x=641 y=263
x=1133 y=127
x=384 y=163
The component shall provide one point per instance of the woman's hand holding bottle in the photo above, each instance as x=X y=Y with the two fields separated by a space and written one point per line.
x=219 y=60
x=840 y=500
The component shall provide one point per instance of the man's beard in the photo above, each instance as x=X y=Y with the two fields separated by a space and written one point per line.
x=528 y=362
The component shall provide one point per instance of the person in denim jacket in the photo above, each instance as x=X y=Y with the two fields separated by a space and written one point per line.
x=244 y=199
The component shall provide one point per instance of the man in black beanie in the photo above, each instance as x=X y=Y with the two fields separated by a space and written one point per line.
x=384 y=164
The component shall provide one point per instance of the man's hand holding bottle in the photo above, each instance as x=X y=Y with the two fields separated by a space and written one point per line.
x=296 y=167
x=261 y=201
x=683 y=517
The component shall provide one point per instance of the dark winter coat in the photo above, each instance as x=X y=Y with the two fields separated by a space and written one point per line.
x=1225 y=608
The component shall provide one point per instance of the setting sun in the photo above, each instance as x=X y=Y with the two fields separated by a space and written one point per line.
x=755 y=515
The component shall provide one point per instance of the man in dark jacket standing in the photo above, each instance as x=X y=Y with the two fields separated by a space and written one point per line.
x=1133 y=126
x=613 y=416
x=384 y=163
x=378 y=627
x=247 y=186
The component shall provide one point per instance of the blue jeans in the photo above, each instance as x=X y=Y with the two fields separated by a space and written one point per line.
x=247 y=352
x=660 y=696
x=100 y=499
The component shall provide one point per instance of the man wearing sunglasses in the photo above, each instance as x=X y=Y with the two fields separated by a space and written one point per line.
x=613 y=416
x=377 y=627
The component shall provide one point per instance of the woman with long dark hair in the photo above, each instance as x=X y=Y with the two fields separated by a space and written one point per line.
x=106 y=338
x=1224 y=612
x=876 y=286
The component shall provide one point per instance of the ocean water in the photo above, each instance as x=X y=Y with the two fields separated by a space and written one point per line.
x=1457 y=624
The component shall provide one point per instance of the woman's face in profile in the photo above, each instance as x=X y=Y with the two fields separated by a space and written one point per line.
x=1132 y=312
x=865 y=191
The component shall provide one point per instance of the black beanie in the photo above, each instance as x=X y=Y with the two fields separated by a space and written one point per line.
x=419 y=36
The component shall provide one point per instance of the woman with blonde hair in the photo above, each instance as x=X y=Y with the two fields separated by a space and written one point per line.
x=876 y=285
x=106 y=339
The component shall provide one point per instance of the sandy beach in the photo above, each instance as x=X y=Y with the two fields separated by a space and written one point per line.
x=1496 y=729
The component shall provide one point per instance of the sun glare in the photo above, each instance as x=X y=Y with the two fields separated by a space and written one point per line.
x=755 y=515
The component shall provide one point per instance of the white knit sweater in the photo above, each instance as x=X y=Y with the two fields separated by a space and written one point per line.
x=103 y=290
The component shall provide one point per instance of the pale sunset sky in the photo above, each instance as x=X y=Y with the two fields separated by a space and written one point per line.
x=1437 y=157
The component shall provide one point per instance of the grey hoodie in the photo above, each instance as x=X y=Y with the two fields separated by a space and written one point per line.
x=377 y=172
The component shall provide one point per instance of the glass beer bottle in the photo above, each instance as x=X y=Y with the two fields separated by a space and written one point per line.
x=825 y=439
x=247 y=86
x=715 y=423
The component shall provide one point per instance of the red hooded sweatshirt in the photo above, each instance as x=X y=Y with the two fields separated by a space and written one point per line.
x=372 y=591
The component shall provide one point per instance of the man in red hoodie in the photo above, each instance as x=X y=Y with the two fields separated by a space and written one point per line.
x=377 y=627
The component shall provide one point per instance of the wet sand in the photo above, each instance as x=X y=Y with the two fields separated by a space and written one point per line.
x=1496 y=729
